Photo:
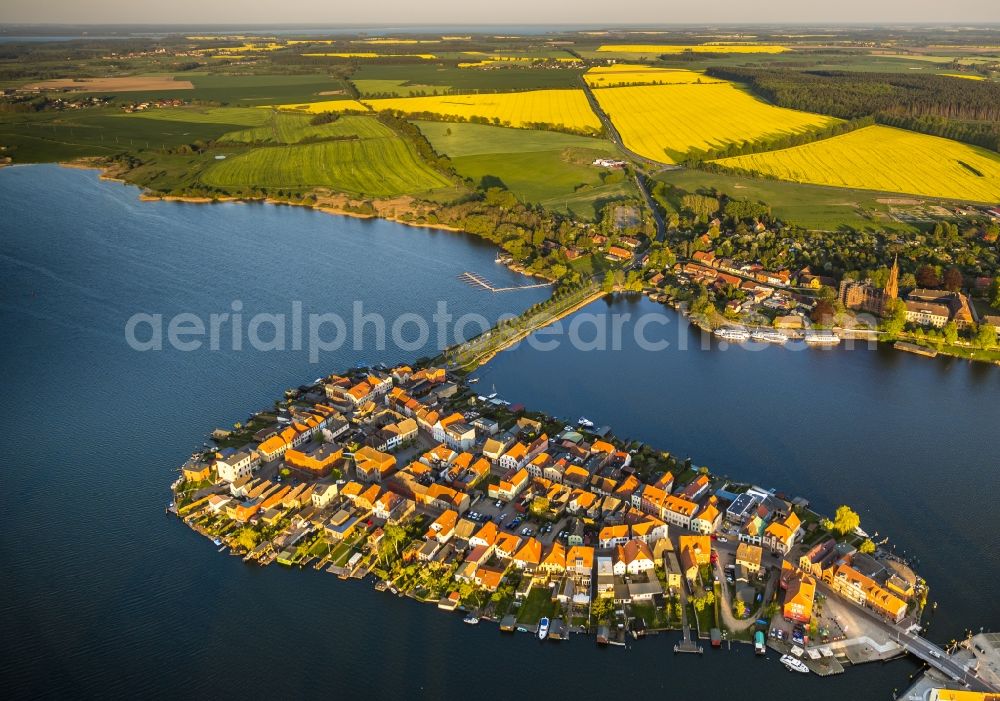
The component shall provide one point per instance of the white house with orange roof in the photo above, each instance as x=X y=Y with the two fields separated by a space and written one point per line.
x=529 y=555
x=780 y=536
x=508 y=489
x=554 y=559
x=443 y=527
x=650 y=530
x=580 y=561
x=485 y=537
x=708 y=519
x=506 y=545
x=515 y=457
x=634 y=557
x=678 y=511
x=612 y=536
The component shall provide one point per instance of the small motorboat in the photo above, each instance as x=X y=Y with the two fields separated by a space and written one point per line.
x=543 y=629
x=794 y=665
x=471 y=619
x=585 y=422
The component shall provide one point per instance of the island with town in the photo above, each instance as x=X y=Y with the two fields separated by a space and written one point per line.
x=408 y=478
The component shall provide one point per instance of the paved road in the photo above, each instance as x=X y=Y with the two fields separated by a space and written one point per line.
x=640 y=177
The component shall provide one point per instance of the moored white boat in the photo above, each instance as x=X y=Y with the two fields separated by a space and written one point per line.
x=585 y=422
x=768 y=336
x=794 y=665
x=822 y=338
x=543 y=629
x=471 y=619
x=737 y=335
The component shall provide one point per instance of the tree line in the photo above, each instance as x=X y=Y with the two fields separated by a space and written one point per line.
x=963 y=110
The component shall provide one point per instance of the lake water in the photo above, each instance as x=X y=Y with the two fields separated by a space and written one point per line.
x=104 y=595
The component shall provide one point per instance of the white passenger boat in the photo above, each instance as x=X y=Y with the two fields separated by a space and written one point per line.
x=794 y=665
x=737 y=335
x=822 y=338
x=543 y=629
x=768 y=336
x=471 y=619
x=585 y=422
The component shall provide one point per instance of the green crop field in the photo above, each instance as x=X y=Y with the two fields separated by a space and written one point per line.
x=548 y=168
x=248 y=90
x=237 y=116
x=253 y=89
x=289 y=128
x=379 y=87
x=461 y=139
x=379 y=167
x=57 y=136
x=444 y=77
x=810 y=206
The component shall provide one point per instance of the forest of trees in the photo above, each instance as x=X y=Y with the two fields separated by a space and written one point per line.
x=964 y=110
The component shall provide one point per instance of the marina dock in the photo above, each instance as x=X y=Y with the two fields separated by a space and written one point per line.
x=477 y=280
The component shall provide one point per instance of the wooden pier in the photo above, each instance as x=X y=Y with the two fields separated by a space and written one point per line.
x=477 y=280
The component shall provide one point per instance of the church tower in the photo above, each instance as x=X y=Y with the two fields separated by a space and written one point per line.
x=892 y=284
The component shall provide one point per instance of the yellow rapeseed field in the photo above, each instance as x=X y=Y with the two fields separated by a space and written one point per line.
x=666 y=122
x=568 y=109
x=887 y=159
x=632 y=74
x=967 y=76
x=323 y=106
x=693 y=48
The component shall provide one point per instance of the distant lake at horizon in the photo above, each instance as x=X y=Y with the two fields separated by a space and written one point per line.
x=107 y=596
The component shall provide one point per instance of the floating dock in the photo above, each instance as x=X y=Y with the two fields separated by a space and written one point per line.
x=477 y=280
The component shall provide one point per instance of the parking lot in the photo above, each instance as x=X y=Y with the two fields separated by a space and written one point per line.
x=521 y=524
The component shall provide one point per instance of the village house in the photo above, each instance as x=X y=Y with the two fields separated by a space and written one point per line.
x=799 y=596
x=443 y=527
x=614 y=536
x=529 y=555
x=632 y=558
x=780 y=536
x=515 y=457
x=696 y=489
x=317 y=460
x=324 y=494
x=748 y=557
x=678 y=511
x=237 y=465
x=506 y=545
x=580 y=561
x=708 y=519
x=554 y=560
x=851 y=584
x=508 y=489
x=373 y=465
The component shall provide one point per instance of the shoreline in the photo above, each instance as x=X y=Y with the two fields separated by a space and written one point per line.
x=327 y=208
x=320 y=206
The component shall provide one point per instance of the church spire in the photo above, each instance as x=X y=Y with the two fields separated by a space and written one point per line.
x=892 y=284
